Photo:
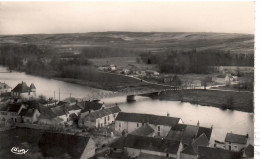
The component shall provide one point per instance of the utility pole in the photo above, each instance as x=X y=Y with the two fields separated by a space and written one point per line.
x=54 y=95
x=59 y=94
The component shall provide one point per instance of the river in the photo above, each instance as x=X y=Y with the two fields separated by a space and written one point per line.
x=223 y=121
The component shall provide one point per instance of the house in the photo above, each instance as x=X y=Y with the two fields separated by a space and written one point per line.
x=248 y=152
x=30 y=115
x=11 y=112
x=60 y=112
x=235 y=142
x=112 y=67
x=89 y=106
x=191 y=151
x=48 y=117
x=128 y=122
x=99 y=118
x=56 y=144
x=74 y=109
x=4 y=88
x=187 y=134
x=136 y=145
x=216 y=153
x=24 y=91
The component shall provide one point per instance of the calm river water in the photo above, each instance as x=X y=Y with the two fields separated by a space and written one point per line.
x=222 y=121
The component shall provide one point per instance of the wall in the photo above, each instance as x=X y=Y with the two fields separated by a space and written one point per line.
x=89 y=151
x=132 y=152
x=239 y=146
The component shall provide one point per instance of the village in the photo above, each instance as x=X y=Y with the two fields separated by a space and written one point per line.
x=97 y=130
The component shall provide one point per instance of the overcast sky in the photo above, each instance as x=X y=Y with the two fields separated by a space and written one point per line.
x=76 y=17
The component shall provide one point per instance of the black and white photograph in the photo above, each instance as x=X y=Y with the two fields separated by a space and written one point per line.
x=127 y=79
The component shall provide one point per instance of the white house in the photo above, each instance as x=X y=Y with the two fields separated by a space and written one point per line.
x=236 y=142
x=99 y=118
x=4 y=88
x=128 y=122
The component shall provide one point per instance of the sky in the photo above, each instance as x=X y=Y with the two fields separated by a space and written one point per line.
x=166 y=16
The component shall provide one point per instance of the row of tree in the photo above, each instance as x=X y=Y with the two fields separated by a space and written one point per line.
x=193 y=61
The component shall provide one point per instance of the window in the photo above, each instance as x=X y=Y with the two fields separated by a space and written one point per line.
x=167 y=155
x=159 y=134
x=137 y=125
x=119 y=125
x=235 y=147
x=158 y=128
x=107 y=118
x=142 y=124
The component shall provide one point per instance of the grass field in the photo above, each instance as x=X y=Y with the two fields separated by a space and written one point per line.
x=242 y=101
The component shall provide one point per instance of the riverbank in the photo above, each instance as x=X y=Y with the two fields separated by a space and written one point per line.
x=241 y=101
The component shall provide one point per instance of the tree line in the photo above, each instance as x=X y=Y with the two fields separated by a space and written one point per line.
x=193 y=61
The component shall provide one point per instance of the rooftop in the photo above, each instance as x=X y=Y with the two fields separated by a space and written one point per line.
x=14 y=107
x=55 y=144
x=91 y=106
x=27 y=112
x=143 y=130
x=216 y=153
x=22 y=88
x=152 y=144
x=147 y=118
x=103 y=112
x=235 y=138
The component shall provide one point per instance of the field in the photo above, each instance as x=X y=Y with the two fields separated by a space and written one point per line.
x=242 y=101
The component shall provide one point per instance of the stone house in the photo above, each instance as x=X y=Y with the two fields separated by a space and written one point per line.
x=4 y=88
x=128 y=122
x=99 y=118
x=11 y=112
x=77 y=147
x=22 y=90
x=236 y=142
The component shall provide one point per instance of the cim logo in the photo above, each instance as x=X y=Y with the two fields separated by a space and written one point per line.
x=17 y=150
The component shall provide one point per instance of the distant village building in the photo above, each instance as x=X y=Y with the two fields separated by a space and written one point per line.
x=136 y=146
x=24 y=91
x=112 y=67
x=99 y=118
x=4 y=88
x=57 y=144
x=236 y=142
x=11 y=112
x=48 y=117
x=248 y=152
x=128 y=122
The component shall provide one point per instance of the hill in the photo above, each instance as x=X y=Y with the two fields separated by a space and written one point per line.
x=148 y=41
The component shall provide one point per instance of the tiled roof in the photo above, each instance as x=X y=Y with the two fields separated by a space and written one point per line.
x=91 y=106
x=147 y=118
x=189 y=134
x=119 y=143
x=15 y=107
x=73 y=107
x=32 y=86
x=249 y=151
x=235 y=138
x=103 y=112
x=58 y=110
x=206 y=131
x=192 y=149
x=21 y=88
x=216 y=153
x=152 y=144
x=143 y=130
x=55 y=144
x=46 y=112
x=70 y=100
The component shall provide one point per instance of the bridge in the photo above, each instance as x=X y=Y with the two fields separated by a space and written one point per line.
x=130 y=94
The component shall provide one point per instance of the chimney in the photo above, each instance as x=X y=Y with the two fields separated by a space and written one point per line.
x=198 y=124
x=168 y=114
x=247 y=135
x=211 y=126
